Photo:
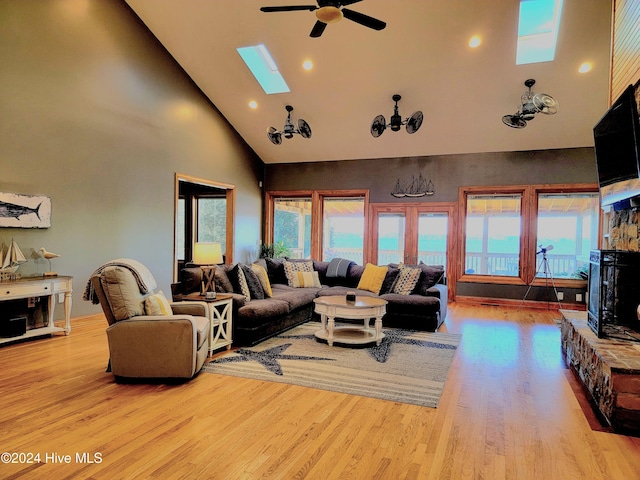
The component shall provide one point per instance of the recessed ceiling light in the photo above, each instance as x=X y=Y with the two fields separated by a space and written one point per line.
x=253 y=104
x=475 y=41
x=585 y=67
x=307 y=65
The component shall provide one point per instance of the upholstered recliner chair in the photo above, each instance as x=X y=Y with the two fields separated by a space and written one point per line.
x=149 y=338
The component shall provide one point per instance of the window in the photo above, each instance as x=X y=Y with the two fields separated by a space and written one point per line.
x=212 y=220
x=508 y=231
x=292 y=226
x=264 y=68
x=567 y=229
x=432 y=238
x=343 y=228
x=538 y=27
x=317 y=224
x=493 y=225
x=391 y=238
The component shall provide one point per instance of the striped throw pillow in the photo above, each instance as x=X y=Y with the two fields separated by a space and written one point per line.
x=157 y=304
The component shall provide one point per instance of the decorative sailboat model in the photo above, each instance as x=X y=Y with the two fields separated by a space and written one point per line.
x=11 y=261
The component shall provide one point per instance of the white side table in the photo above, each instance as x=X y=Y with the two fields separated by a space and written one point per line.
x=220 y=319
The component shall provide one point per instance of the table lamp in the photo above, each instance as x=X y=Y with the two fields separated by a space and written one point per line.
x=207 y=255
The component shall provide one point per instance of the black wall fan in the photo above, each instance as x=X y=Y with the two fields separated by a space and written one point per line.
x=328 y=11
x=531 y=103
x=379 y=124
x=304 y=130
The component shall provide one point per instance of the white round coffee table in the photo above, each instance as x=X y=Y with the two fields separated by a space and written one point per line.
x=363 y=308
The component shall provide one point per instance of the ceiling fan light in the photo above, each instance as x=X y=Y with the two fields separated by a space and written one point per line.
x=329 y=14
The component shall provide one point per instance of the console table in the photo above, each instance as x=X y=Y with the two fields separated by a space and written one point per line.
x=49 y=287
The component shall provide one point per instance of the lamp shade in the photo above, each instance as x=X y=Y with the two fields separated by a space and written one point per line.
x=209 y=253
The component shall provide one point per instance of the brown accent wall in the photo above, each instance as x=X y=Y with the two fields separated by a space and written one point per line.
x=98 y=116
x=448 y=172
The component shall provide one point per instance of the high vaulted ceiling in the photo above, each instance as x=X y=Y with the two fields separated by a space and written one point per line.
x=422 y=54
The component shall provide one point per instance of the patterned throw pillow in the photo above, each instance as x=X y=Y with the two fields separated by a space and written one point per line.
x=236 y=275
x=406 y=281
x=306 y=280
x=291 y=269
x=262 y=275
x=157 y=304
x=372 y=278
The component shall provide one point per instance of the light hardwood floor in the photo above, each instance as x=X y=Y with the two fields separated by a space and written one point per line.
x=508 y=412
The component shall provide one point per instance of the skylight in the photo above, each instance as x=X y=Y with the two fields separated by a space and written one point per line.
x=264 y=68
x=538 y=30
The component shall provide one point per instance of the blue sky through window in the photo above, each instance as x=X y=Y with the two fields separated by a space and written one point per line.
x=264 y=68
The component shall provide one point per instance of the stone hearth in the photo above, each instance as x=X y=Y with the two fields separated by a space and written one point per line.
x=609 y=369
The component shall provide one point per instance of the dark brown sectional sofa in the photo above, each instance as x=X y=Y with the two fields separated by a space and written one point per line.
x=260 y=318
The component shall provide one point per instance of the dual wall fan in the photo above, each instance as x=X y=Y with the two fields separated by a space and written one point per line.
x=303 y=129
x=531 y=103
x=379 y=124
x=331 y=12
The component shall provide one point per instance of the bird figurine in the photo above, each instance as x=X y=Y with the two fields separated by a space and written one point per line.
x=49 y=256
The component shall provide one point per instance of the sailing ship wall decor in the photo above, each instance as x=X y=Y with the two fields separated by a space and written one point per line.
x=415 y=187
x=24 y=211
x=11 y=259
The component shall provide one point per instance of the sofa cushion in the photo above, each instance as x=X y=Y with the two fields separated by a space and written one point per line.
x=326 y=291
x=239 y=282
x=123 y=292
x=389 y=279
x=291 y=269
x=263 y=277
x=275 y=270
x=406 y=280
x=157 y=304
x=191 y=279
x=253 y=282
x=296 y=297
x=416 y=305
x=260 y=311
x=221 y=279
x=431 y=274
x=372 y=278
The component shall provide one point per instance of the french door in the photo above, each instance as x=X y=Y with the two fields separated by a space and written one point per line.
x=413 y=233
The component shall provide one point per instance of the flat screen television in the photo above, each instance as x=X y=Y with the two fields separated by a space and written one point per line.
x=617 y=147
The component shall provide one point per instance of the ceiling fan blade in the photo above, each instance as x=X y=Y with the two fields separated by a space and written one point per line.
x=317 y=29
x=289 y=8
x=349 y=2
x=363 y=19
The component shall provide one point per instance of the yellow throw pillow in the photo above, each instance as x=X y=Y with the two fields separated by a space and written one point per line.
x=262 y=275
x=291 y=269
x=306 y=279
x=157 y=304
x=372 y=278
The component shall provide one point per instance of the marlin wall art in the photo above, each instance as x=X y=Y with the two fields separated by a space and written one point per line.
x=24 y=211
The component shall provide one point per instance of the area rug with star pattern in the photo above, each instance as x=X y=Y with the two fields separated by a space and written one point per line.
x=407 y=367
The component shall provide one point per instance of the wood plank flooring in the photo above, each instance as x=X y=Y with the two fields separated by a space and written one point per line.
x=508 y=412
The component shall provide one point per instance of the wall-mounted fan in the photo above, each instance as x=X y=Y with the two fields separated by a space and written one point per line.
x=330 y=12
x=531 y=103
x=379 y=124
x=304 y=130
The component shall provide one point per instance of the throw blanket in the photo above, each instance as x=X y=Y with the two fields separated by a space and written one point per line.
x=143 y=276
x=338 y=267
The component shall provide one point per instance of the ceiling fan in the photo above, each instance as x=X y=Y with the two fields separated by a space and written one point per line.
x=379 y=124
x=328 y=11
x=304 y=130
x=531 y=104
